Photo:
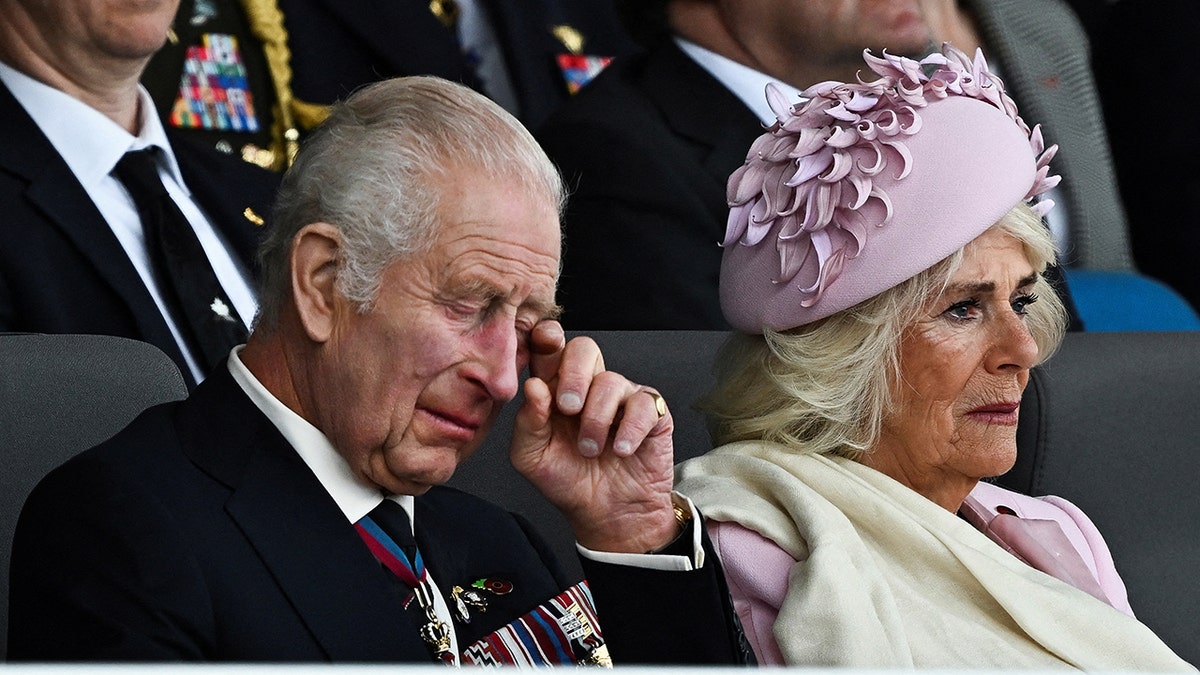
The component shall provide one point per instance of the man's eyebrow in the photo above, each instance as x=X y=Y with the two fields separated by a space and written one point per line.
x=542 y=308
x=549 y=311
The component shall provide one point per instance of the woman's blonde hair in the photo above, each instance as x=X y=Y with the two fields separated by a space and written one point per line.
x=824 y=387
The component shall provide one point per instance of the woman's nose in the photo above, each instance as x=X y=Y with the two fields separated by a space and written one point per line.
x=1014 y=348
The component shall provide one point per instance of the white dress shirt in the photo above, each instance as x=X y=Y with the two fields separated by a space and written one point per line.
x=91 y=144
x=746 y=83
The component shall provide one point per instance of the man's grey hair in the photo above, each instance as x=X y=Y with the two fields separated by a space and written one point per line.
x=374 y=170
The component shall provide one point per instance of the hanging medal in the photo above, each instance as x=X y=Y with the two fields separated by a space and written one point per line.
x=434 y=632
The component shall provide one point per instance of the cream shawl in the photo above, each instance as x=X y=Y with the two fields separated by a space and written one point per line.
x=889 y=579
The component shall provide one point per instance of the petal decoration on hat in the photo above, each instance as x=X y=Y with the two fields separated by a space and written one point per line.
x=811 y=171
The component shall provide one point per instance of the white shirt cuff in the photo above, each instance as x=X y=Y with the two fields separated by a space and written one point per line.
x=667 y=563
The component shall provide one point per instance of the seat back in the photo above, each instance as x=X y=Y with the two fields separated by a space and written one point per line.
x=1109 y=300
x=1110 y=423
x=676 y=363
x=59 y=395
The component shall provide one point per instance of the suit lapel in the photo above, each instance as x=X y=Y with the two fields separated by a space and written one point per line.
x=700 y=108
x=463 y=540
x=302 y=537
x=55 y=191
x=523 y=32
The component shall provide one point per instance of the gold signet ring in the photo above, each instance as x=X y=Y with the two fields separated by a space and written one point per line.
x=660 y=403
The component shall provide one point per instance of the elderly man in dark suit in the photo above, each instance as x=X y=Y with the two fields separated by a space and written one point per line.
x=648 y=146
x=78 y=255
x=408 y=280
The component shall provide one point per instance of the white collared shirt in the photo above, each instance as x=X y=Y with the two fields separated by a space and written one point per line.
x=91 y=144
x=744 y=82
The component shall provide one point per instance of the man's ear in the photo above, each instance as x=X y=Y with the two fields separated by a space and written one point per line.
x=315 y=252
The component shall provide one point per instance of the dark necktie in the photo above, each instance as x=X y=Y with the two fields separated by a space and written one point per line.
x=193 y=295
x=386 y=531
x=393 y=520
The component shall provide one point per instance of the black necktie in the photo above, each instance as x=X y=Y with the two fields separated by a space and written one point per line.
x=393 y=519
x=193 y=295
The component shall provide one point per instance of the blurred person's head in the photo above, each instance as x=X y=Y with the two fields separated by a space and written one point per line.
x=93 y=50
x=800 y=42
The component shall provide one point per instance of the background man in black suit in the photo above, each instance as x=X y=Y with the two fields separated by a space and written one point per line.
x=648 y=146
x=75 y=257
x=527 y=56
x=409 y=279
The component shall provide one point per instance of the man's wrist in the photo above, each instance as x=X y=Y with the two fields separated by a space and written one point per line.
x=684 y=521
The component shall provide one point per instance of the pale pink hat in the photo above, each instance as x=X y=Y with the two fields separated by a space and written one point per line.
x=865 y=185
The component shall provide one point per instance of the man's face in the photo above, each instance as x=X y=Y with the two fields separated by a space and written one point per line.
x=827 y=33
x=100 y=29
x=410 y=388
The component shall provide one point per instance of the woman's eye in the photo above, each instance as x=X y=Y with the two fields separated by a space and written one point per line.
x=1021 y=304
x=967 y=309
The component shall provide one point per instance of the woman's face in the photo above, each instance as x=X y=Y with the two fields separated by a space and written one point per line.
x=963 y=366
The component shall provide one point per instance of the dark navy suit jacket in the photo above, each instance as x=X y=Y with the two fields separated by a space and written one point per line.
x=62 y=270
x=337 y=46
x=646 y=149
x=198 y=533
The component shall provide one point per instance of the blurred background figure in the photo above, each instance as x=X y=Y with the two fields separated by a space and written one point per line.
x=111 y=224
x=222 y=76
x=1137 y=61
x=252 y=75
x=648 y=145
